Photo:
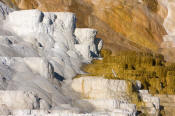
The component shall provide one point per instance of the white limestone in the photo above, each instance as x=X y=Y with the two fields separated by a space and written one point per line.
x=49 y=34
x=40 y=65
x=103 y=94
x=23 y=77
x=151 y=102
x=62 y=113
x=100 y=88
x=18 y=99
x=37 y=22
x=109 y=95
x=4 y=110
x=36 y=55
x=108 y=104
x=52 y=35
x=85 y=38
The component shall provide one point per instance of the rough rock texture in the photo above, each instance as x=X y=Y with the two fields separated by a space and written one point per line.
x=64 y=113
x=85 y=38
x=152 y=104
x=18 y=99
x=37 y=52
x=103 y=94
x=26 y=74
x=109 y=95
x=4 y=11
x=46 y=35
x=133 y=25
x=99 y=88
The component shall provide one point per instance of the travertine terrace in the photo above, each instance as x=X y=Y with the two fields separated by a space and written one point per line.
x=74 y=58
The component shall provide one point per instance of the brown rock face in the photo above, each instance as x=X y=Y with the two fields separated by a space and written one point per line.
x=122 y=24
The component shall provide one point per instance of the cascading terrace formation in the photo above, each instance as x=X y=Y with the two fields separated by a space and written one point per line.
x=48 y=66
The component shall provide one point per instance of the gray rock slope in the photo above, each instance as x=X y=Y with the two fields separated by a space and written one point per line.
x=37 y=52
